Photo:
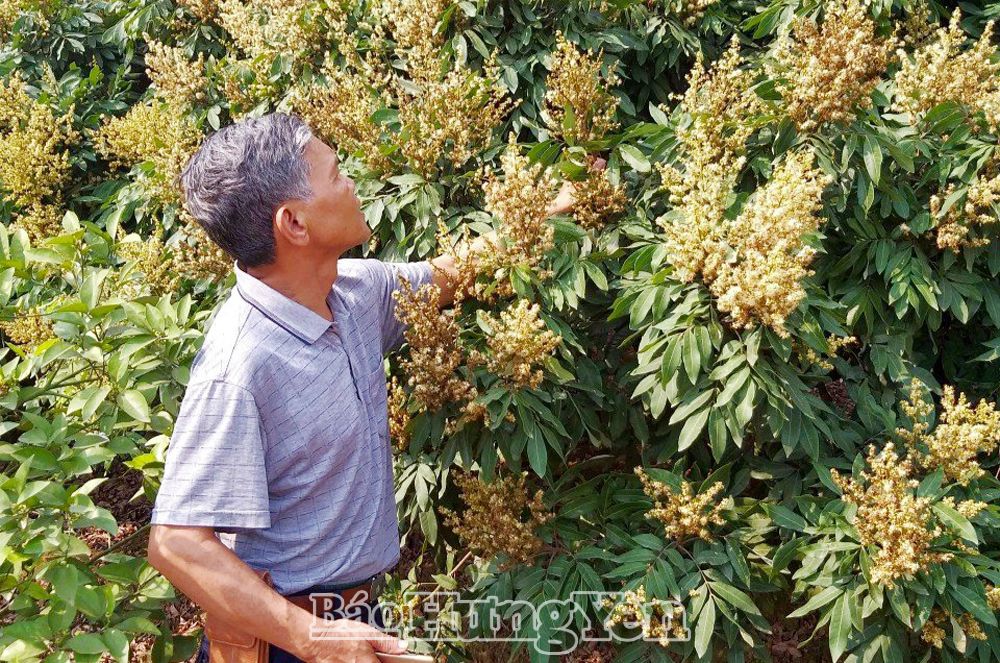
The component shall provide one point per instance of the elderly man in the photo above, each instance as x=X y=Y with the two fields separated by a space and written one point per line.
x=280 y=458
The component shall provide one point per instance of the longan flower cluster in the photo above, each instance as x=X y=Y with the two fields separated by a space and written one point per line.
x=158 y=132
x=267 y=28
x=689 y=11
x=493 y=521
x=962 y=433
x=341 y=111
x=918 y=24
x=630 y=613
x=891 y=518
x=161 y=266
x=34 y=159
x=146 y=256
x=518 y=343
x=943 y=71
x=575 y=81
x=756 y=272
x=413 y=25
x=28 y=329
x=684 y=514
x=933 y=633
x=11 y=10
x=833 y=345
x=993 y=597
x=955 y=229
x=196 y=256
x=721 y=107
x=597 y=199
x=435 y=352
x=826 y=71
x=204 y=10
x=174 y=75
x=399 y=417
x=451 y=116
x=519 y=201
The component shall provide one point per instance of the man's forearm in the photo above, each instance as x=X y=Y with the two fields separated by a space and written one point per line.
x=218 y=581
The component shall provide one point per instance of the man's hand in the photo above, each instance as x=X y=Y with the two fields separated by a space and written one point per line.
x=348 y=640
x=210 y=574
x=566 y=198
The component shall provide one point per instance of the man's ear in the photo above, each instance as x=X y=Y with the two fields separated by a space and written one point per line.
x=288 y=226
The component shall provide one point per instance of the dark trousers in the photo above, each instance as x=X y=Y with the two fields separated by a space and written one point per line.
x=279 y=655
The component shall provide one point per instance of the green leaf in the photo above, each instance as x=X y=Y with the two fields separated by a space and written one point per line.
x=134 y=404
x=735 y=597
x=785 y=517
x=87 y=643
x=974 y=603
x=704 y=627
x=840 y=627
x=428 y=525
x=817 y=601
x=873 y=159
x=692 y=429
x=537 y=454
x=634 y=157
x=956 y=521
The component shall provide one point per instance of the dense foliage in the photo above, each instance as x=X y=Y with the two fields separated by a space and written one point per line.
x=752 y=373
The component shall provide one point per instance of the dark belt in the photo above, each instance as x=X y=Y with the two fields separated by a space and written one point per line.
x=349 y=596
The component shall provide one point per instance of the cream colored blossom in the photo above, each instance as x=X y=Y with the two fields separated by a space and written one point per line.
x=519 y=201
x=891 y=518
x=660 y=621
x=827 y=71
x=944 y=70
x=833 y=345
x=448 y=117
x=518 y=343
x=341 y=110
x=597 y=199
x=412 y=25
x=34 y=158
x=28 y=329
x=575 y=81
x=435 y=352
x=683 y=514
x=721 y=107
x=964 y=224
x=499 y=518
x=757 y=277
x=175 y=76
x=961 y=434
x=158 y=132
x=399 y=416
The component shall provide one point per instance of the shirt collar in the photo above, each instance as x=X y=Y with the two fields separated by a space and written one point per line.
x=291 y=315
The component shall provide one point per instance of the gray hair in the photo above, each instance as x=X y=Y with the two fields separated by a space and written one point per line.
x=240 y=175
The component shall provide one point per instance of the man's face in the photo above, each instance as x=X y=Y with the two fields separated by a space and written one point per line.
x=333 y=215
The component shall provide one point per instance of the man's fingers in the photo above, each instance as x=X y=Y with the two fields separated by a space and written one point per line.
x=386 y=643
x=379 y=640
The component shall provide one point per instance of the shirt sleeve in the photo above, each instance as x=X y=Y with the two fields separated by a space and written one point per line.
x=385 y=283
x=214 y=473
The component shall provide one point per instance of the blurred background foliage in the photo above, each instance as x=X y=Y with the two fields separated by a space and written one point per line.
x=752 y=374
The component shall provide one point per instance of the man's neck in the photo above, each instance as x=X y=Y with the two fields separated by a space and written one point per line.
x=304 y=281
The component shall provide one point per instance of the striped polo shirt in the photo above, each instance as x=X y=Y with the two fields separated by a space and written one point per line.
x=282 y=439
